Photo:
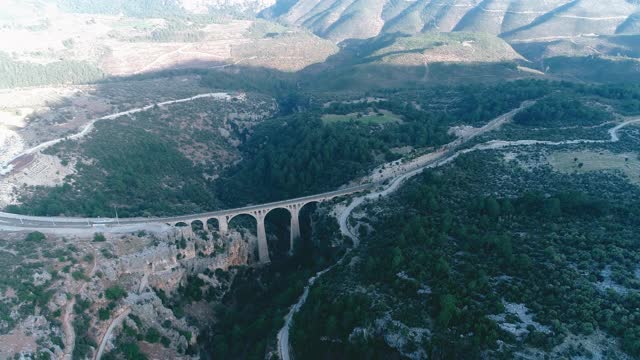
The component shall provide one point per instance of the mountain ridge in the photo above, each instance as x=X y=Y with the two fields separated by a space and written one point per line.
x=515 y=21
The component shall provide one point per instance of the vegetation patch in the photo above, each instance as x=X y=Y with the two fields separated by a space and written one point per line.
x=378 y=117
x=19 y=74
x=561 y=111
x=481 y=253
x=581 y=162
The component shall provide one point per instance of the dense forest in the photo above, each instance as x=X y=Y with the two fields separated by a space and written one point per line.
x=297 y=152
x=20 y=74
x=457 y=245
x=131 y=168
x=300 y=154
x=556 y=111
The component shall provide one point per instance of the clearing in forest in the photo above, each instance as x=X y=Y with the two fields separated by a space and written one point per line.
x=587 y=161
x=368 y=117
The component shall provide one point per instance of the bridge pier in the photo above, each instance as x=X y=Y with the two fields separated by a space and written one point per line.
x=205 y=227
x=259 y=213
x=294 y=229
x=263 y=247
x=223 y=224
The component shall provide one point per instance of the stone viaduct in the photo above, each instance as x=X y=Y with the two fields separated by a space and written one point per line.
x=223 y=217
x=259 y=213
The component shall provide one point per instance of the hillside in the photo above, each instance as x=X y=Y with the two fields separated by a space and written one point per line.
x=578 y=18
x=148 y=8
x=445 y=47
x=320 y=179
x=517 y=21
x=52 y=45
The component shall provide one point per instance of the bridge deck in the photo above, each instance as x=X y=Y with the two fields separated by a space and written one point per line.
x=17 y=220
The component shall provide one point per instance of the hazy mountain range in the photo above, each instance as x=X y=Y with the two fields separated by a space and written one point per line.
x=537 y=29
x=518 y=20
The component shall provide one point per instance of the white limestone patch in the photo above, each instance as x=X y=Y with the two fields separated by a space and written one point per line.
x=398 y=335
x=423 y=290
x=11 y=144
x=403 y=275
x=461 y=131
x=525 y=319
x=41 y=278
x=609 y=284
x=502 y=278
x=598 y=346
x=224 y=133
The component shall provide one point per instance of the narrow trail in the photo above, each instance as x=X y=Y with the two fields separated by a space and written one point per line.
x=67 y=318
x=107 y=335
x=6 y=167
x=410 y=169
x=69 y=333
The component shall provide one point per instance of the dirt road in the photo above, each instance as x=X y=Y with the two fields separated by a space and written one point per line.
x=107 y=335
x=67 y=318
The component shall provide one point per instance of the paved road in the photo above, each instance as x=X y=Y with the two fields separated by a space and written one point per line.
x=42 y=222
x=389 y=173
x=17 y=222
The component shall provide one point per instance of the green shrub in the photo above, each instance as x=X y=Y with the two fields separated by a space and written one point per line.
x=104 y=314
x=152 y=336
x=115 y=293
x=79 y=275
x=99 y=237
x=35 y=236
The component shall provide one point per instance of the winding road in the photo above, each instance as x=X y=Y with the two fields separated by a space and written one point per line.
x=6 y=167
x=382 y=182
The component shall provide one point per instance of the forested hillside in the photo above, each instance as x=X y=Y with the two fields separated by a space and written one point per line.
x=317 y=147
x=14 y=73
x=449 y=260
x=497 y=142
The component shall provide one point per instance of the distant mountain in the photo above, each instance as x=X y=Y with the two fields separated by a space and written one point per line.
x=161 y=8
x=240 y=6
x=516 y=21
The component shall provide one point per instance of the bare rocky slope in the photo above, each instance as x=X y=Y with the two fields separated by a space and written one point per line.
x=203 y=6
x=516 y=21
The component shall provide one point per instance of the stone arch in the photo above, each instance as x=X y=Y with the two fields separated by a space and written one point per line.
x=258 y=249
x=213 y=224
x=183 y=229
x=279 y=222
x=311 y=202
x=236 y=221
x=197 y=225
x=304 y=211
x=199 y=230
x=268 y=211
